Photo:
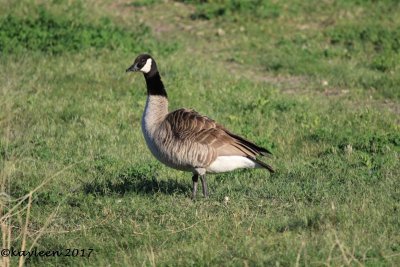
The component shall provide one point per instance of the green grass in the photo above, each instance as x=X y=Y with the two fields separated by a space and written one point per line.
x=315 y=82
x=347 y=43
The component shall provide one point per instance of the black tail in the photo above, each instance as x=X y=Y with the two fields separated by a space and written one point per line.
x=263 y=164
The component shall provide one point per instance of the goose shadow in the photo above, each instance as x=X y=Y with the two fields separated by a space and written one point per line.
x=135 y=181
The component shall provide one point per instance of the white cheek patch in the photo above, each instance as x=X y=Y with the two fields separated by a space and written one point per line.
x=147 y=67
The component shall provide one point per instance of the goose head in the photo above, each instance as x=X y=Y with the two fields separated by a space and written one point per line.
x=143 y=63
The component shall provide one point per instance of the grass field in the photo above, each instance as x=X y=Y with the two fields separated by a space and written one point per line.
x=317 y=82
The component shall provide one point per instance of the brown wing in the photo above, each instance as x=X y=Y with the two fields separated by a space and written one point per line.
x=215 y=140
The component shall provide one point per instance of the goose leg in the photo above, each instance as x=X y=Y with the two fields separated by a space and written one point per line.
x=204 y=185
x=195 y=179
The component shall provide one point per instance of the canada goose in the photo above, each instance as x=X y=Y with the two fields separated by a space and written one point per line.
x=187 y=141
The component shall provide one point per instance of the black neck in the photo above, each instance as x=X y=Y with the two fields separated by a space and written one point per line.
x=154 y=84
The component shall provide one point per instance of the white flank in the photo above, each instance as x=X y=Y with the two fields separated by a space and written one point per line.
x=230 y=163
x=147 y=67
